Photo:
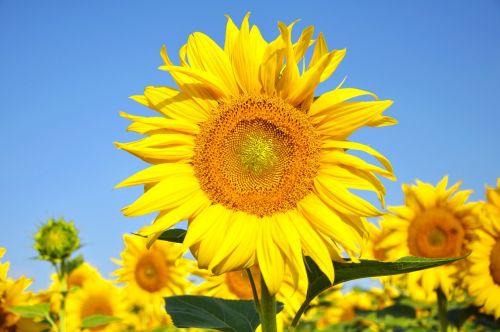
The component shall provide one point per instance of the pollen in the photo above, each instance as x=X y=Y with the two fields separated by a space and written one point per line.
x=255 y=150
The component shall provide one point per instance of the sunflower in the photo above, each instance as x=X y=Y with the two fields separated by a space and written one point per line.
x=236 y=285
x=434 y=222
x=12 y=293
x=95 y=297
x=483 y=275
x=343 y=307
x=259 y=167
x=151 y=274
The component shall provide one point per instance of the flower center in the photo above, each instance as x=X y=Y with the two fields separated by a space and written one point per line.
x=257 y=153
x=434 y=233
x=239 y=283
x=97 y=305
x=495 y=262
x=151 y=271
x=257 y=149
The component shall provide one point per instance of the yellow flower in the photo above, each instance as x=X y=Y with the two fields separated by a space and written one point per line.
x=151 y=274
x=236 y=285
x=259 y=166
x=12 y=293
x=76 y=278
x=483 y=274
x=95 y=297
x=434 y=222
x=343 y=307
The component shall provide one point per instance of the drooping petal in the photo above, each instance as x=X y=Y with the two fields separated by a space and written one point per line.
x=270 y=259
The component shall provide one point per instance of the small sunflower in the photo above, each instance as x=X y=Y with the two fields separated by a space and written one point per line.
x=12 y=293
x=236 y=285
x=483 y=275
x=343 y=307
x=260 y=167
x=151 y=274
x=435 y=222
x=95 y=297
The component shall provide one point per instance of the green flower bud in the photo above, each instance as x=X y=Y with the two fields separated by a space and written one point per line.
x=56 y=240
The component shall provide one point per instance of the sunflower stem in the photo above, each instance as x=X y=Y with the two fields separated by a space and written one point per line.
x=64 y=291
x=254 y=291
x=442 y=309
x=267 y=308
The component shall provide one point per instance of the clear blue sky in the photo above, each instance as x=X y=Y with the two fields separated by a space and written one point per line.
x=68 y=67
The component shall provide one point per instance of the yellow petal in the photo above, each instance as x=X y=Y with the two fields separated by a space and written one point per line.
x=148 y=125
x=307 y=83
x=290 y=75
x=313 y=244
x=237 y=251
x=287 y=239
x=166 y=195
x=176 y=105
x=156 y=173
x=166 y=219
x=272 y=63
x=327 y=101
x=270 y=258
x=333 y=63
x=203 y=53
x=303 y=43
x=346 y=117
x=231 y=35
x=246 y=59
x=203 y=95
x=335 y=195
x=328 y=222
x=337 y=157
x=359 y=147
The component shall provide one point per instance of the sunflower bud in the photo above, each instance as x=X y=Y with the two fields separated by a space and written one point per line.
x=56 y=240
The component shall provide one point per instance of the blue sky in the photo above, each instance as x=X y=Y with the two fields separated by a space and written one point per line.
x=68 y=67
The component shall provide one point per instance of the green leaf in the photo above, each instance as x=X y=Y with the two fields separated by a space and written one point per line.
x=97 y=320
x=458 y=316
x=214 y=313
x=73 y=264
x=176 y=235
x=318 y=282
x=32 y=311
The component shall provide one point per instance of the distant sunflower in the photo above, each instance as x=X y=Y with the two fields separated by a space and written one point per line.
x=483 y=275
x=435 y=222
x=151 y=274
x=12 y=293
x=343 y=307
x=256 y=163
x=236 y=285
x=96 y=297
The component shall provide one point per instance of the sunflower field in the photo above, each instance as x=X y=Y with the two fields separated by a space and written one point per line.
x=254 y=178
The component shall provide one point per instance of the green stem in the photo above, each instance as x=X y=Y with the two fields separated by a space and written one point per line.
x=63 y=282
x=267 y=308
x=254 y=291
x=442 y=310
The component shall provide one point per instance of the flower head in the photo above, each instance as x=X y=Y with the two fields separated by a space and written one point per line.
x=483 y=274
x=56 y=240
x=435 y=222
x=151 y=274
x=260 y=167
x=12 y=293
